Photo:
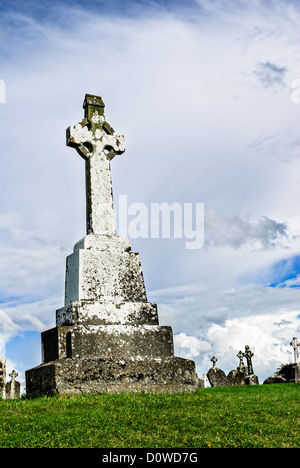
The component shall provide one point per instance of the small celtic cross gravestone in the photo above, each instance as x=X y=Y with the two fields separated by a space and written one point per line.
x=241 y=356
x=214 y=361
x=13 y=375
x=248 y=356
x=96 y=141
x=13 y=387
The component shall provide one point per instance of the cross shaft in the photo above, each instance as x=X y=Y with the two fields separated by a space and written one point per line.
x=97 y=143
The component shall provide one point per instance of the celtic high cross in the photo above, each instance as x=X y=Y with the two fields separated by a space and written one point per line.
x=96 y=141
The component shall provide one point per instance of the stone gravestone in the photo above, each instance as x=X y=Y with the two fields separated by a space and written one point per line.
x=237 y=376
x=12 y=388
x=2 y=376
x=295 y=344
x=107 y=336
x=216 y=377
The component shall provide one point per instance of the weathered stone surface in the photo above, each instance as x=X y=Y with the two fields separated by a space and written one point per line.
x=297 y=373
x=107 y=340
x=166 y=375
x=251 y=380
x=97 y=143
x=274 y=379
x=236 y=377
x=112 y=273
x=12 y=388
x=107 y=313
x=216 y=377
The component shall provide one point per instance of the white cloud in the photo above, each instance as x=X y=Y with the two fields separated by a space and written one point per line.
x=235 y=232
x=268 y=337
x=7 y=329
x=270 y=75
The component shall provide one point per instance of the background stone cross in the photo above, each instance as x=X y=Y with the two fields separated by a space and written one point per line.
x=13 y=375
x=241 y=355
x=96 y=141
x=214 y=361
x=248 y=356
x=295 y=344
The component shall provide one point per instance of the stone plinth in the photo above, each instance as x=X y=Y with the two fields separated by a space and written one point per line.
x=97 y=375
x=297 y=373
x=107 y=336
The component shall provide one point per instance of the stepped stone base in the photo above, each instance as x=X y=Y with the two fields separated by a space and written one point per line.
x=107 y=336
x=98 y=375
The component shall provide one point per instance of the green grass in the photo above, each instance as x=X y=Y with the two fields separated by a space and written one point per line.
x=250 y=416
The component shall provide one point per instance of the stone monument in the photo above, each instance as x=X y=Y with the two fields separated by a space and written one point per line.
x=237 y=376
x=251 y=378
x=2 y=376
x=12 y=388
x=107 y=336
x=295 y=344
x=216 y=377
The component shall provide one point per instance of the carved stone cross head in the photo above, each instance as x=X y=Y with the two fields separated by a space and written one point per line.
x=13 y=375
x=248 y=356
x=96 y=141
x=214 y=361
x=241 y=355
x=93 y=133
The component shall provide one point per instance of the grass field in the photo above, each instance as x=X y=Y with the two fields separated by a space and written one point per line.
x=250 y=416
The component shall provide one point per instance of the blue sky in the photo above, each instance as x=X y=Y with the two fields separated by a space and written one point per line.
x=203 y=92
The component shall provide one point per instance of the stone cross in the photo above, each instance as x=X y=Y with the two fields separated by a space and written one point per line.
x=97 y=143
x=295 y=344
x=214 y=361
x=248 y=356
x=13 y=376
x=12 y=388
x=241 y=355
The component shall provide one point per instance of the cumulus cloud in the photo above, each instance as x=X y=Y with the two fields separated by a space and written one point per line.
x=268 y=337
x=235 y=231
x=270 y=75
x=32 y=261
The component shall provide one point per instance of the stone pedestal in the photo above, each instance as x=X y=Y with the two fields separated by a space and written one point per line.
x=107 y=336
x=297 y=373
x=252 y=380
